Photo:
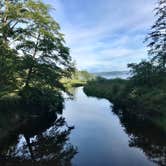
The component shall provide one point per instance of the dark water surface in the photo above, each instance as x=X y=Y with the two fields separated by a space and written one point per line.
x=103 y=139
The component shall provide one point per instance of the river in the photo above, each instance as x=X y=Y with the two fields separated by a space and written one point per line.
x=100 y=137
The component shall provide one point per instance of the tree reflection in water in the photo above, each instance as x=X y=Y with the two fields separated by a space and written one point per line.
x=42 y=141
x=143 y=135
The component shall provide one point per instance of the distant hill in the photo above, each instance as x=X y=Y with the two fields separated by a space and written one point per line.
x=112 y=74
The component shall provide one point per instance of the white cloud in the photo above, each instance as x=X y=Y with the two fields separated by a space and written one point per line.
x=108 y=35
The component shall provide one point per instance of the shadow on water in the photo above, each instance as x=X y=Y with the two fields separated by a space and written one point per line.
x=37 y=140
x=145 y=136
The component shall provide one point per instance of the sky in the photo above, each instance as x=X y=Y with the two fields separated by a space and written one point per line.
x=105 y=35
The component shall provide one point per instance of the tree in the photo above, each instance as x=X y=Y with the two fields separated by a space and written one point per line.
x=29 y=34
x=45 y=56
x=157 y=36
x=142 y=73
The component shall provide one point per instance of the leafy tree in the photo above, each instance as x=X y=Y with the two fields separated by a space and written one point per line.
x=32 y=45
x=45 y=56
x=7 y=66
x=157 y=36
x=142 y=73
x=153 y=71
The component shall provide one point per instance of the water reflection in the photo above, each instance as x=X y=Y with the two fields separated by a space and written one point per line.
x=103 y=138
x=42 y=140
x=150 y=139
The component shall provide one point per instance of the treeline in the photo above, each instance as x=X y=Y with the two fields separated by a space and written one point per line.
x=78 y=78
x=33 y=54
x=144 y=94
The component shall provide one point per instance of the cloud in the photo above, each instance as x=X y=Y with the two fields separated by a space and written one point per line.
x=105 y=35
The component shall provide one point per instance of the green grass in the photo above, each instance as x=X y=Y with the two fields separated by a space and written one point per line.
x=68 y=83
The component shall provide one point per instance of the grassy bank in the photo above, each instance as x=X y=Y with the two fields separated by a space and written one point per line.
x=104 y=88
x=69 y=83
x=38 y=99
x=146 y=103
x=78 y=78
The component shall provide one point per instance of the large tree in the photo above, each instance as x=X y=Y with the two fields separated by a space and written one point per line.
x=42 y=45
x=28 y=29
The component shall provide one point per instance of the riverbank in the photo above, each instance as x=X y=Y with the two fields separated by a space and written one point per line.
x=145 y=103
x=78 y=78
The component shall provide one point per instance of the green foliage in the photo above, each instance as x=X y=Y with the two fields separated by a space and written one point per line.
x=142 y=73
x=110 y=89
x=10 y=102
x=85 y=76
x=42 y=45
x=44 y=99
x=134 y=96
x=78 y=78
x=157 y=37
x=28 y=28
x=7 y=67
x=33 y=55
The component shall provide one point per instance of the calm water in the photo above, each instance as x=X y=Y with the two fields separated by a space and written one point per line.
x=103 y=141
x=100 y=137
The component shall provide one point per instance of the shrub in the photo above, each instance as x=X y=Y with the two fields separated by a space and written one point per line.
x=44 y=99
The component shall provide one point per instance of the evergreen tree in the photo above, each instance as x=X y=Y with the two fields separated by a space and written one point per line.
x=157 y=37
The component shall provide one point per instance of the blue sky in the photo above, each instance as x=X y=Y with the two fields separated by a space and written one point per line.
x=105 y=35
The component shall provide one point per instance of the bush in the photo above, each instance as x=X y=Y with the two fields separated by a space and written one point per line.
x=44 y=99
x=139 y=100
